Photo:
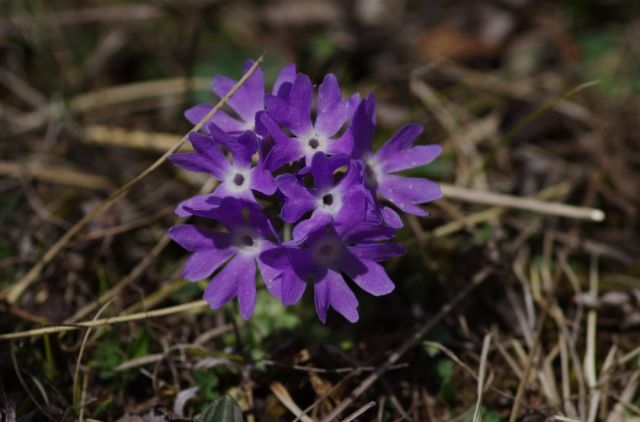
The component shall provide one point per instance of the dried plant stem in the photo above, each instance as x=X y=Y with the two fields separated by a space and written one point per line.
x=488 y=214
x=89 y=101
x=55 y=174
x=16 y=291
x=528 y=204
x=137 y=271
x=76 y=373
x=529 y=366
x=187 y=307
x=283 y=395
x=590 y=354
x=408 y=344
x=359 y=412
x=127 y=138
x=481 y=375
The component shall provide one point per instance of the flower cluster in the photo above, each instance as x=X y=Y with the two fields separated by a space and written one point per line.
x=287 y=169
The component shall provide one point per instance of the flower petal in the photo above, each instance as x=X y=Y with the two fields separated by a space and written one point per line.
x=332 y=114
x=194 y=238
x=203 y=263
x=300 y=98
x=303 y=228
x=246 y=285
x=209 y=147
x=362 y=128
x=227 y=123
x=262 y=180
x=224 y=286
x=285 y=150
x=242 y=147
x=291 y=288
x=391 y=218
x=402 y=139
x=298 y=199
x=377 y=251
x=197 y=204
x=405 y=192
x=375 y=280
x=408 y=158
x=332 y=291
x=287 y=74
x=323 y=167
x=248 y=99
x=195 y=162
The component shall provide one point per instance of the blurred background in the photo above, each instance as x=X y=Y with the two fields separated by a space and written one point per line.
x=528 y=98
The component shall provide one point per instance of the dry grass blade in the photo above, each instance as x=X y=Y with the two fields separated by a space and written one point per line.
x=478 y=279
x=528 y=204
x=555 y=191
x=55 y=174
x=76 y=373
x=590 y=354
x=519 y=91
x=627 y=396
x=87 y=102
x=137 y=271
x=16 y=290
x=127 y=138
x=283 y=395
x=187 y=307
x=530 y=363
x=359 y=412
x=477 y=417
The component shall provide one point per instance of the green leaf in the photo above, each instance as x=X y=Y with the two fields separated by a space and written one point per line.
x=224 y=409
x=445 y=370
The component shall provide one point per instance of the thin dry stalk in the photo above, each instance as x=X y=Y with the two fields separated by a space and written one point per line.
x=55 y=174
x=76 y=373
x=137 y=271
x=16 y=290
x=527 y=204
x=590 y=354
x=486 y=343
x=605 y=380
x=359 y=412
x=627 y=396
x=106 y=97
x=127 y=138
x=520 y=91
x=283 y=395
x=528 y=368
x=195 y=306
x=408 y=344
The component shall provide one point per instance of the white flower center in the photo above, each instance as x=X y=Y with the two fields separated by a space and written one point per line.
x=372 y=171
x=329 y=202
x=238 y=180
x=327 y=250
x=313 y=143
x=246 y=240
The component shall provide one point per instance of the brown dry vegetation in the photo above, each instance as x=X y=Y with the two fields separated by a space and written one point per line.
x=508 y=307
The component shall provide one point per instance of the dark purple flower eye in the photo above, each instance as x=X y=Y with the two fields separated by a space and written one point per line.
x=327 y=186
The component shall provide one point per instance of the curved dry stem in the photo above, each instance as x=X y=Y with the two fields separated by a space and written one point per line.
x=14 y=292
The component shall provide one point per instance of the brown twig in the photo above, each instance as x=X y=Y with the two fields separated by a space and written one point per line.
x=529 y=366
x=14 y=293
x=408 y=344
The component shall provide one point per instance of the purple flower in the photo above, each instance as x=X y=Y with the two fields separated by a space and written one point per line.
x=397 y=154
x=294 y=114
x=246 y=102
x=328 y=191
x=238 y=177
x=249 y=233
x=321 y=259
x=330 y=202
